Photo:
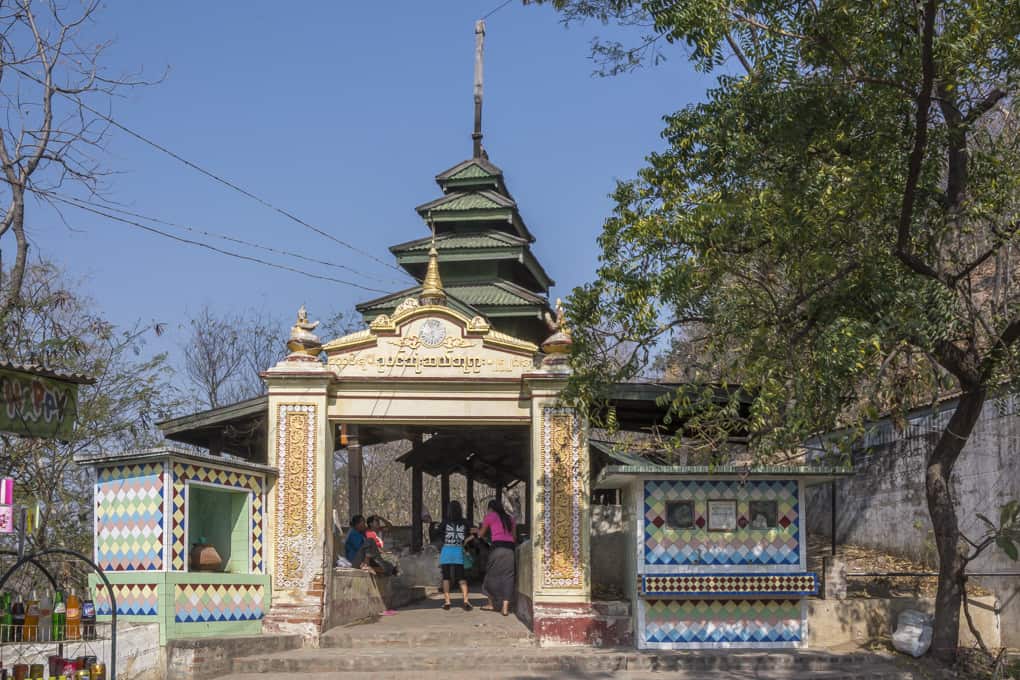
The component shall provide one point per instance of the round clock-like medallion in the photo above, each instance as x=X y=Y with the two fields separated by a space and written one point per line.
x=432 y=333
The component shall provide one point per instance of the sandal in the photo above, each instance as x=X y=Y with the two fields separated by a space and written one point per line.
x=487 y=608
x=468 y=607
x=446 y=606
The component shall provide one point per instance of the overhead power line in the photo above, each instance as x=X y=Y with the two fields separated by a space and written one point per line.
x=78 y=203
x=213 y=248
x=486 y=16
x=194 y=166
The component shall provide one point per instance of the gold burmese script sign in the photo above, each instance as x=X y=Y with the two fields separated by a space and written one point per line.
x=466 y=362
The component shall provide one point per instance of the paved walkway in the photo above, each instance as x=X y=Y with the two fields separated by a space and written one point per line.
x=424 y=641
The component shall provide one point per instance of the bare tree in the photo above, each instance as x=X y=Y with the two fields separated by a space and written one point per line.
x=225 y=355
x=52 y=90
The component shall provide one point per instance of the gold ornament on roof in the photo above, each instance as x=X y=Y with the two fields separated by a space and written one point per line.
x=302 y=339
x=557 y=346
x=558 y=324
x=432 y=292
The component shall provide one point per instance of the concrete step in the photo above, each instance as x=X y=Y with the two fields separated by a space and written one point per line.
x=861 y=673
x=479 y=635
x=463 y=657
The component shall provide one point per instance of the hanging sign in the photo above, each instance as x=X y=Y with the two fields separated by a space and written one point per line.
x=35 y=406
x=6 y=505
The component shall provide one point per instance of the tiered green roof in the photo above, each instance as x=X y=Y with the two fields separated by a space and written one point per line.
x=484 y=250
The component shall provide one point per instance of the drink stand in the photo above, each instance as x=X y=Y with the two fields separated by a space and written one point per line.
x=35 y=652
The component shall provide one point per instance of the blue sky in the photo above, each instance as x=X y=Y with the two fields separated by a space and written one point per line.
x=342 y=113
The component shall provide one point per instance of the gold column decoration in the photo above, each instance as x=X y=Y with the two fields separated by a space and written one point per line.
x=562 y=495
x=296 y=494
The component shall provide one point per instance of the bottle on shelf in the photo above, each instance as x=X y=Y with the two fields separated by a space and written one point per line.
x=31 y=629
x=59 y=616
x=6 y=620
x=73 y=616
x=45 y=618
x=88 y=617
x=17 y=619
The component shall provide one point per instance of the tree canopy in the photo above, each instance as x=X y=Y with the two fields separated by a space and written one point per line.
x=834 y=227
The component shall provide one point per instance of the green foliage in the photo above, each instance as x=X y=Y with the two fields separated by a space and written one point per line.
x=1005 y=535
x=51 y=324
x=767 y=231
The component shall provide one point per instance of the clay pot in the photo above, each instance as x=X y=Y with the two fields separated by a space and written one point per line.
x=205 y=558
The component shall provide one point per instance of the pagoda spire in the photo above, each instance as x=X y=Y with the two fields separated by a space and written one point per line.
x=476 y=136
x=432 y=292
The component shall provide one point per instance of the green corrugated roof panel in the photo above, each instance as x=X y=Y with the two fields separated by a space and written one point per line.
x=472 y=171
x=495 y=294
x=469 y=169
x=818 y=472
x=485 y=239
x=474 y=200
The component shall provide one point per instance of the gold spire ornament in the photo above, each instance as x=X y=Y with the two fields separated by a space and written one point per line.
x=432 y=292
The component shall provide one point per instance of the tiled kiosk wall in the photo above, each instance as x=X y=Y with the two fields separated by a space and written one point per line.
x=742 y=588
x=141 y=544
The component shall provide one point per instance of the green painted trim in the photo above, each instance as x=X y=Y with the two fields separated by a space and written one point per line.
x=477 y=214
x=184 y=577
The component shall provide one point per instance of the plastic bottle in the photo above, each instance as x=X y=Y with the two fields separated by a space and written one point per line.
x=59 y=616
x=17 y=619
x=73 y=616
x=88 y=617
x=31 y=631
x=6 y=621
x=45 y=618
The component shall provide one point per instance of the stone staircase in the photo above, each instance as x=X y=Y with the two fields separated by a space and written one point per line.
x=460 y=645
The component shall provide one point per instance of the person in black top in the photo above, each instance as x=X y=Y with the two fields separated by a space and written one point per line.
x=451 y=558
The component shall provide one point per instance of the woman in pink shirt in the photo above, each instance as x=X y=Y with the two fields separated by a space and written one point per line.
x=499 y=584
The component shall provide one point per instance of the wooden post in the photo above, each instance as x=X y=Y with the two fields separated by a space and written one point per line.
x=470 y=512
x=416 y=510
x=499 y=494
x=355 y=473
x=444 y=493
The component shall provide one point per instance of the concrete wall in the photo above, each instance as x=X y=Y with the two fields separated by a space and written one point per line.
x=358 y=595
x=609 y=548
x=525 y=591
x=832 y=623
x=139 y=656
x=883 y=506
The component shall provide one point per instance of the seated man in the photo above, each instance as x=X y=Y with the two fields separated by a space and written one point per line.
x=362 y=552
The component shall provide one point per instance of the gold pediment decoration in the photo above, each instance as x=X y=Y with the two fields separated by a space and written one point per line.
x=429 y=340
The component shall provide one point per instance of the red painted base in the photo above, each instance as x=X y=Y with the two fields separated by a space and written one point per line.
x=595 y=625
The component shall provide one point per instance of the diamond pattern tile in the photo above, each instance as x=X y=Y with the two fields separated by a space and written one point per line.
x=681 y=622
x=129 y=517
x=200 y=603
x=743 y=546
x=184 y=473
x=133 y=599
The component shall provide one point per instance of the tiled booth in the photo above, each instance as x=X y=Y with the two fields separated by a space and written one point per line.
x=150 y=508
x=719 y=555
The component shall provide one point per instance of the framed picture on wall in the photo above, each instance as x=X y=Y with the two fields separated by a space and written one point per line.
x=680 y=514
x=763 y=514
x=722 y=515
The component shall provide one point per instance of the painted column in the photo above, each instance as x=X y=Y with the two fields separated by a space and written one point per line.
x=560 y=512
x=301 y=502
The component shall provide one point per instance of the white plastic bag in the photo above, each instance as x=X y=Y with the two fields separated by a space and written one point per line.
x=913 y=633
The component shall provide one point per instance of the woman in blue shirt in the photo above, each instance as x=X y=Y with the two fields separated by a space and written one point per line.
x=455 y=534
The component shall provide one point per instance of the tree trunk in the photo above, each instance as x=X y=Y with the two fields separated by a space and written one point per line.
x=942 y=510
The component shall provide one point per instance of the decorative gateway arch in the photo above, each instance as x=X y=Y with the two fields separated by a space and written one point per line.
x=426 y=365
